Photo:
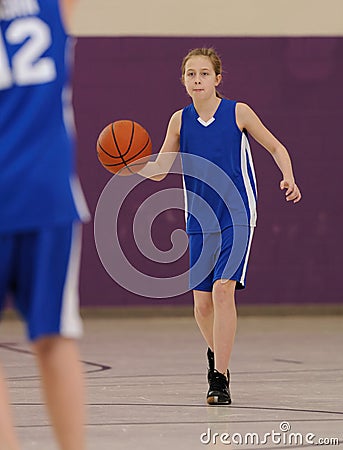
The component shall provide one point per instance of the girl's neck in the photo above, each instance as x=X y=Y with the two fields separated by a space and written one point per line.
x=207 y=108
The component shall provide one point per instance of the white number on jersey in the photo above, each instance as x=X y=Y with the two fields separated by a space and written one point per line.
x=28 y=65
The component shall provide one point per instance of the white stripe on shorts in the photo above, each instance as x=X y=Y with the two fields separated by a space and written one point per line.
x=71 y=323
x=244 y=271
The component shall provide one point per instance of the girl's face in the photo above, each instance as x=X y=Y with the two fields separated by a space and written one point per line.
x=200 y=79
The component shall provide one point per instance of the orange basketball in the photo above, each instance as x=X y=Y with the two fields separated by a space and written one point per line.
x=124 y=147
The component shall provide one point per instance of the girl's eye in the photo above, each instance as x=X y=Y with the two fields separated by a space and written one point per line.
x=205 y=73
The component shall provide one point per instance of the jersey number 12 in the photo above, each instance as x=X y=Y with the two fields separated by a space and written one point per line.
x=27 y=66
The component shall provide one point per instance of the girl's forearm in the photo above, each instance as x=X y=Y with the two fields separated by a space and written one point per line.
x=283 y=161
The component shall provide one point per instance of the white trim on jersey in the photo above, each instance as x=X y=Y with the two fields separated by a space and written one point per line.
x=69 y=122
x=79 y=198
x=71 y=323
x=185 y=197
x=245 y=150
x=67 y=95
x=251 y=164
x=204 y=123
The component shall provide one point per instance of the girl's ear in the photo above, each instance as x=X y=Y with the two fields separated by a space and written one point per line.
x=218 y=79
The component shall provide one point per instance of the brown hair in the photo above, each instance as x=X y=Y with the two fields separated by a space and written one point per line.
x=210 y=53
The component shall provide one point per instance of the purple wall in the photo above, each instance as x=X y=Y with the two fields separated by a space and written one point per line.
x=294 y=84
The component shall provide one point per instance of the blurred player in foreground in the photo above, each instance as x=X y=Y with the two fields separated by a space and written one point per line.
x=41 y=207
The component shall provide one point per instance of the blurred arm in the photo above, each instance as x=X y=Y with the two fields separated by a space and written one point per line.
x=67 y=9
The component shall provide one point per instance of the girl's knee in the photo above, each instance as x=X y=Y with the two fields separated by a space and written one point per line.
x=223 y=286
x=204 y=308
x=224 y=292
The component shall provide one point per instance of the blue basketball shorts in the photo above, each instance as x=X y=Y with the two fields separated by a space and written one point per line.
x=219 y=256
x=40 y=271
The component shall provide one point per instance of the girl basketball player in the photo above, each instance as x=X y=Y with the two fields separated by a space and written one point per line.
x=212 y=133
x=39 y=212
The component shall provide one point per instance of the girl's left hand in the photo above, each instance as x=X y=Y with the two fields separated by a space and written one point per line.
x=293 y=192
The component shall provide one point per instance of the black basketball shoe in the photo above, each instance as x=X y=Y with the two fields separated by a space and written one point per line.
x=210 y=359
x=211 y=366
x=218 y=392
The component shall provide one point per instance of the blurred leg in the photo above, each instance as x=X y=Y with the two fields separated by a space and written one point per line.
x=63 y=385
x=8 y=439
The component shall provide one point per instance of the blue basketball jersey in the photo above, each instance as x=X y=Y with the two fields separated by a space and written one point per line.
x=38 y=187
x=219 y=177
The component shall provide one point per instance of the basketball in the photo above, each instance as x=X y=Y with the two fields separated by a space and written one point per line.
x=124 y=147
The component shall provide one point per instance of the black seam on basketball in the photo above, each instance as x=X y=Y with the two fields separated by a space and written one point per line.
x=114 y=139
x=118 y=149
x=108 y=154
x=132 y=157
x=121 y=155
x=128 y=167
x=130 y=143
x=139 y=152
x=131 y=139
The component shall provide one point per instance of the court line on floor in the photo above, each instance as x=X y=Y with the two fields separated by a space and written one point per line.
x=179 y=405
x=13 y=347
x=195 y=422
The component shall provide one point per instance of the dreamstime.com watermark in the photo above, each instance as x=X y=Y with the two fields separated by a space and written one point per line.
x=284 y=437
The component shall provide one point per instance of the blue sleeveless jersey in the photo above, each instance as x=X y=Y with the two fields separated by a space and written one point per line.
x=219 y=177
x=37 y=183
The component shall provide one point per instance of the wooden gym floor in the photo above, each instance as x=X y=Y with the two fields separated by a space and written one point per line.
x=146 y=385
